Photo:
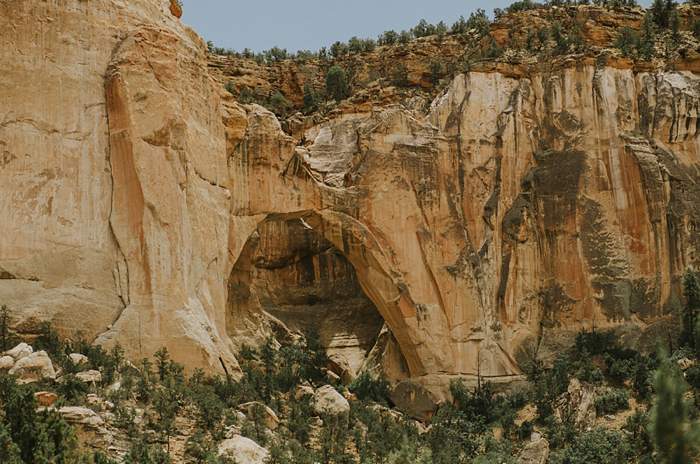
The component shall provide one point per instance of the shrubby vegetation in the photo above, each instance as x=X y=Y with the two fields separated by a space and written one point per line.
x=663 y=428
x=660 y=35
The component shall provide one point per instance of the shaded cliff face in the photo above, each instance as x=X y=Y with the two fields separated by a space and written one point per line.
x=291 y=273
x=143 y=206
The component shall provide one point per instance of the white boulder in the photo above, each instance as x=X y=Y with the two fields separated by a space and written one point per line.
x=243 y=450
x=77 y=359
x=32 y=368
x=20 y=351
x=327 y=400
x=91 y=376
x=6 y=362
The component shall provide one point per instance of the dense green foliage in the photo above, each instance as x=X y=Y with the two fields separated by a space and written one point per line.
x=461 y=431
x=337 y=83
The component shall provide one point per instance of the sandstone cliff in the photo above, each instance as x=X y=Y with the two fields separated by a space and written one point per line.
x=142 y=205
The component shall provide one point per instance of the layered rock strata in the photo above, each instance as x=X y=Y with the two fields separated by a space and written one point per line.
x=141 y=205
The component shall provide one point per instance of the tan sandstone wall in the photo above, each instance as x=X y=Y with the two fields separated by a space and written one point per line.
x=516 y=210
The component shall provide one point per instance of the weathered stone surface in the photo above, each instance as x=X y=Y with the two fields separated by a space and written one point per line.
x=81 y=415
x=77 y=358
x=91 y=376
x=303 y=390
x=578 y=403
x=144 y=206
x=535 y=452
x=243 y=450
x=415 y=399
x=20 y=351
x=6 y=362
x=45 y=398
x=269 y=416
x=34 y=367
x=327 y=400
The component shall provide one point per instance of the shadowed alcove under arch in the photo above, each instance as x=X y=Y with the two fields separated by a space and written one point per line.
x=315 y=274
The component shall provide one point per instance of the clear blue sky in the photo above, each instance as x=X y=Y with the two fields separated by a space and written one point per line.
x=311 y=24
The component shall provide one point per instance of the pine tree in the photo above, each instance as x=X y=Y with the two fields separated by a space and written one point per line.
x=648 y=38
x=674 y=439
x=310 y=99
x=5 y=338
x=9 y=451
x=691 y=292
x=337 y=83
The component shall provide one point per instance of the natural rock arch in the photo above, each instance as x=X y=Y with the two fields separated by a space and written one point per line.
x=358 y=245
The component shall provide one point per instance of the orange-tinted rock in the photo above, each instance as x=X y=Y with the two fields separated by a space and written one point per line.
x=521 y=205
x=44 y=398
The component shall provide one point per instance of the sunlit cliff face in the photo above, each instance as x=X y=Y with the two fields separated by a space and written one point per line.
x=142 y=205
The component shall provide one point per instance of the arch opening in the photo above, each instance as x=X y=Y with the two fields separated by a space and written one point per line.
x=290 y=275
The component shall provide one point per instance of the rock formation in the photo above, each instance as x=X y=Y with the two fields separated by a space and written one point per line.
x=142 y=205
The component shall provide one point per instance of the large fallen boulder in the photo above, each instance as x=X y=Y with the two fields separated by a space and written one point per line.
x=37 y=366
x=77 y=359
x=91 y=376
x=243 y=450
x=577 y=403
x=327 y=400
x=80 y=415
x=269 y=417
x=6 y=362
x=20 y=351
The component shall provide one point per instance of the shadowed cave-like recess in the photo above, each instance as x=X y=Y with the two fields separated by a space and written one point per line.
x=289 y=271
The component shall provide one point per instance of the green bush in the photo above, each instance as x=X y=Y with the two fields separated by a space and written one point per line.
x=337 y=83
x=675 y=437
x=454 y=437
x=627 y=41
x=7 y=338
x=598 y=445
x=612 y=401
x=36 y=437
x=368 y=388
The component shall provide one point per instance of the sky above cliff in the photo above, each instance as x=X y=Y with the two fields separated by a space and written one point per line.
x=311 y=24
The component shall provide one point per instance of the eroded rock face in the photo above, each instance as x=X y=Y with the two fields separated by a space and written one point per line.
x=33 y=368
x=243 y=450
x=300 y=278
x=521 y=207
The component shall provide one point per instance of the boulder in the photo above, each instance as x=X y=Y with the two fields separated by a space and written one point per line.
x=91 y=376
x=20 y=351
x=579 y=401
x=45 y=398
x=327 y=400
x=270 y=418
x=302 y=391
x=81 y=416
x=535 y=452
x=414 y=399
x=32 y=368
x=6 y=362
x=77 y=359
x=685 y=363
x=243 y=450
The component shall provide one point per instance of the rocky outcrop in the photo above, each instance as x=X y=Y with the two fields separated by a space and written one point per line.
x=143 y=206
x=20 y=351
x=535 y=452
x=33 y=368
x=243 y=450
x=90 y=377
x=327 y=401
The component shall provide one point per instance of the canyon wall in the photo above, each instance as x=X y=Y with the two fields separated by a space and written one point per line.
x=142 y=205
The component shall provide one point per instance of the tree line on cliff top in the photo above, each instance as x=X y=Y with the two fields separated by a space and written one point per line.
x=660 y=33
